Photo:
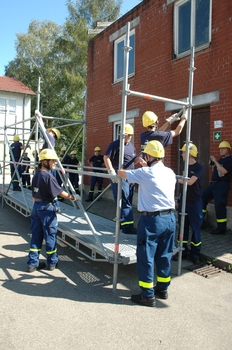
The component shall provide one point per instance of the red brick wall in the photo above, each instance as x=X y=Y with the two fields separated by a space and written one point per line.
x=158 y=74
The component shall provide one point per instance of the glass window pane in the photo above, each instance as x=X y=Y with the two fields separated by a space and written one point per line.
x=2 y=105
x=12 y=106
x=202 y=22
x=132 y=55
x=120 y=59
x=184 y=27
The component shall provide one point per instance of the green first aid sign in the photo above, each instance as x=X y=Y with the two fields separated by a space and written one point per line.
x=217 y=135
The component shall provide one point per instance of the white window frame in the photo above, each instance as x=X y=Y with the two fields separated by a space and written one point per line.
x=177 y=6
x=131 y=71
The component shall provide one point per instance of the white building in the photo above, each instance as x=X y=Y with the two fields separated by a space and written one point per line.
x=15 y=113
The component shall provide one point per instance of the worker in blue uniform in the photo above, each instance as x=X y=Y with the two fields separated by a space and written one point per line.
x=151 y=121
x=96 y=161
x=219 y=187
x=73 y=163
x=193 y=206
x=111 y=159
x=156 y=228
x=64 y=158
x=26 y=176
x=45 y=189
x=15 y=153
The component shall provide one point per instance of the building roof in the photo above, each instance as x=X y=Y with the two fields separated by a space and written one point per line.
x=14 y=85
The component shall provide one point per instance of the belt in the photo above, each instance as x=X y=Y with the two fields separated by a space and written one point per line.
x=156 y=213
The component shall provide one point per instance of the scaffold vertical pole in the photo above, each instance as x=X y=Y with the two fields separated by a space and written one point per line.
x=127 y=49
x=185 y=178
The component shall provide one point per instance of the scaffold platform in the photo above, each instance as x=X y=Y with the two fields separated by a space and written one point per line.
x=74 y=230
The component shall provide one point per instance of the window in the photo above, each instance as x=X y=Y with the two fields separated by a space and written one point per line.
x=12 y=106
x=119 y=57
x=2 y=105
x=192 y=25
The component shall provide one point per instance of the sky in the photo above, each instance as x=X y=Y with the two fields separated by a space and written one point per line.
x=16 y=16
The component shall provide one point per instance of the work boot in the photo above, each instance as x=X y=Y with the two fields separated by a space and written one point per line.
x=218 y=232
x=161 y=293
x=195 y=260
x=175 y=257
x=89 y=200
x=130 y=231
x=53 y=267
x=41 y=266
x=141 y=300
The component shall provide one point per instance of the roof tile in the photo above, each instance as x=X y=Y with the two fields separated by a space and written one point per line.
x=14 y=85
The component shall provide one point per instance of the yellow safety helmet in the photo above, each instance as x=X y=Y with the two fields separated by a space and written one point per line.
x=47 y=154
x=192 y=149
x=97 y=149
x=56 y=132
x=16 y=138
x=63 y=148
x=149 y=118
x=73 y=152
x=155 y=149
x=128 y=130
x=224 y=144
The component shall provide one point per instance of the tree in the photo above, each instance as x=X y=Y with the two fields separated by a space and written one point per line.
x=93 y=11
x=58 y=54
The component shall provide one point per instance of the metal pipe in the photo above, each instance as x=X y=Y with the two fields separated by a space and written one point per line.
x=127 y=49
x=154 y=97
x=186 y=164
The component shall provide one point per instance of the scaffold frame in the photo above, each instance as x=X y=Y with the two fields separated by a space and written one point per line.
x=99 y=248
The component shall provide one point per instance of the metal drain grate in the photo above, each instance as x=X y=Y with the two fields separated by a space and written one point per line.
x=206 y=271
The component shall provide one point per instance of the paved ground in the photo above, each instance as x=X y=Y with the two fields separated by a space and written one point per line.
x=74 y=306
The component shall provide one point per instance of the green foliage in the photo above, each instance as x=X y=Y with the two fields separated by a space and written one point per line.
x=93 y=11
x=58 y=55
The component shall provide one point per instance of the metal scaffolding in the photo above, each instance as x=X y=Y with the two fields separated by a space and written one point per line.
x=127 y=92
x=104 y=244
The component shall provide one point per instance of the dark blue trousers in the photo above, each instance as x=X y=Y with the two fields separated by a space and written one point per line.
x=43 y=226
x=15 y=180
x=155 y=242
x=218 y=191
x=127 y=218
x=94 y=180
x=194 y=219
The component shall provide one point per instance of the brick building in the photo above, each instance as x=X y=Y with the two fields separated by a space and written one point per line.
x=161 y=36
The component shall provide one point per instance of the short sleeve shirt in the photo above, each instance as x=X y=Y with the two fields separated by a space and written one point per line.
x=165 y=137
x=97 y=161
x=129 y=155
x=45 y=186
x=227 y=164
x=156 y=187
x=194 y=191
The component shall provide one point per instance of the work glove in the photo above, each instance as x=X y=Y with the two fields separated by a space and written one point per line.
x=112 y=172
x=184 y=114
x=76 y=198
x=174 y=117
